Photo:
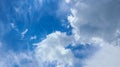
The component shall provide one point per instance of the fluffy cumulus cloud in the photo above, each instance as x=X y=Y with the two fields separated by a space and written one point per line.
x=52 y=49
x=57 y=50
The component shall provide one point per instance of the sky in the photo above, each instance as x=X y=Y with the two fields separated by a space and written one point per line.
x=59 y=33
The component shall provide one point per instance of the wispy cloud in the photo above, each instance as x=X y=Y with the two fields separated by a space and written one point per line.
x=33 y=37
x=22 y=59
x=23 y=33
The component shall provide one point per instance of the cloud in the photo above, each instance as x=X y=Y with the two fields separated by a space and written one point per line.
x=22 y=59
x=91 y=18
x=93 y=22
x=97 y=22
x=33 y=37
x=108 y=56
x=53 y=49
x=68 y=1
x=23 y=33
x=58 y=48
x=13 y=26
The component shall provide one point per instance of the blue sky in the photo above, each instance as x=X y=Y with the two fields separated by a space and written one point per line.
x=59 y=33
x=39 y=22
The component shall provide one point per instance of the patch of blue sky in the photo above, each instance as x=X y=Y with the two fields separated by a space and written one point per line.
x=12 y=41
x=83 y=51
x=39 y=22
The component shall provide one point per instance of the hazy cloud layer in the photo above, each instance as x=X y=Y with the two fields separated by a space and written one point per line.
x=22 y=59
x=91 y=18
x=97 y=22
x=108 y=56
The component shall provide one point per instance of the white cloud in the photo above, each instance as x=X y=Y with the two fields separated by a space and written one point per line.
x=63 y=11
x=22 y=59
x=53 y=49
x=23 y=33
x=108 y=56
x=13 y=26
x=68 y=1
x=92 y=21
x=33 y=37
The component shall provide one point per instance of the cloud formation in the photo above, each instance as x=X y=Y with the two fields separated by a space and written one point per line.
x=21 y=59
x=52 y=49
x=91 y=18
x=93 y=22
x=97 y=22
x=108 y=56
